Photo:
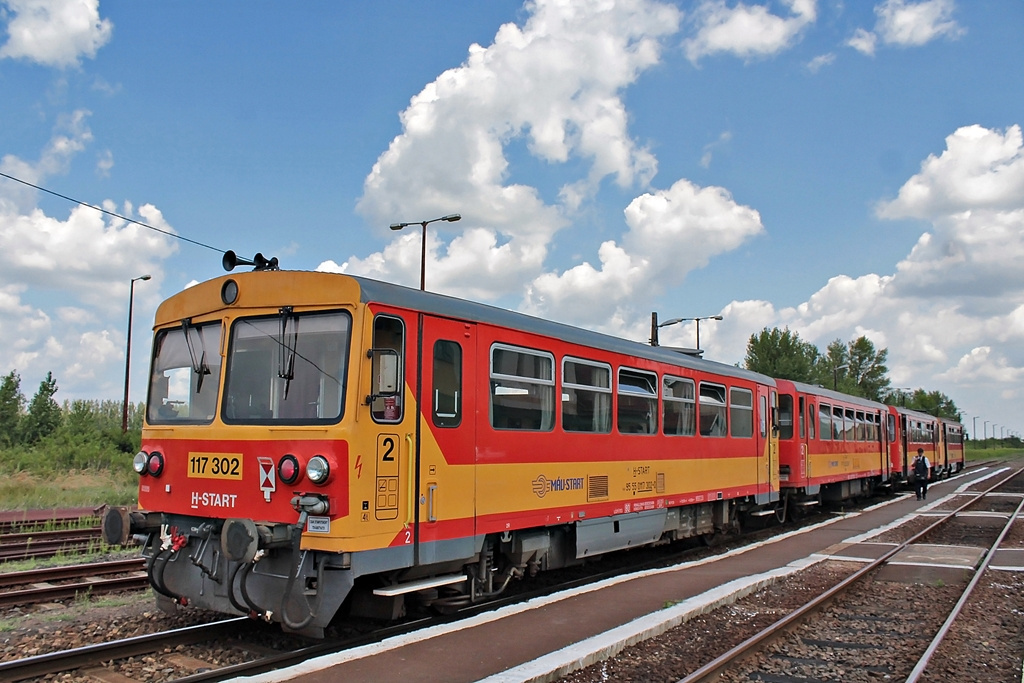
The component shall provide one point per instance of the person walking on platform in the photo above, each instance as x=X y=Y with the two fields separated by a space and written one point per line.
x=922 y=468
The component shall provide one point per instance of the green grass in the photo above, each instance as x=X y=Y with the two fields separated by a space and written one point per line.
x=973 y=452
x=23 y=490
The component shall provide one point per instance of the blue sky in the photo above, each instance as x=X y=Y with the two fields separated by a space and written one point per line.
x=839 y=168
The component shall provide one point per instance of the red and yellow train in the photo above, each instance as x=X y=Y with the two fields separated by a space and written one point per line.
x=318 y=444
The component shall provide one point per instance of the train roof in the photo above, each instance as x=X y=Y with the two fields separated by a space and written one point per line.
x=453 y=307
x=837 y=395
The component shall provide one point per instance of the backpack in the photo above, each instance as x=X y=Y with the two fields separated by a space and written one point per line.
x=921 y=467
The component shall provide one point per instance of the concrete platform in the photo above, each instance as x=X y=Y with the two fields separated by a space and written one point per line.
x=930 y=564
x=547 y=638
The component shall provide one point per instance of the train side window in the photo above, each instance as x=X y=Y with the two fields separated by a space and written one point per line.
x=846 y=426
x=786 y=416
x=711 y=410
x=862 y=427
x=890 y=427
x=522 y=389
x=388 y=335
x=679 y=406
x=638 y=402
x=447 y=411
x=586 y=396
x=825 y=422
x=741 y=412
x=810 y=420
x=838 y=426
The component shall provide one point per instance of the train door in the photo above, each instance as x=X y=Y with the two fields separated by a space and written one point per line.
x=768 y=442
x=445 y=441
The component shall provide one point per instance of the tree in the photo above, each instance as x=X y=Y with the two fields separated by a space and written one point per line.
x=830 y=368
x=44 y=414
x=867 y=368
x=932 y=402
x=781 y=354
x=854 y=368
x=12 y=403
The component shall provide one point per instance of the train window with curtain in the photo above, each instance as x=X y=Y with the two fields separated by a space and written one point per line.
x=711 y=407
x=522 y=389
x=447 y=394
x=786 y=416
x=825 y=422
x=679 y=409
x=586 y=396
x=838 y=426
x=638 y=402
x=741 y=413
x=862 y=427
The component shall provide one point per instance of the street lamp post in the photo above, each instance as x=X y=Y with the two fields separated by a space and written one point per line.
x=835 y=375
x=655 y=325
x=451 y=218
x=128 y=351
x=985 y=428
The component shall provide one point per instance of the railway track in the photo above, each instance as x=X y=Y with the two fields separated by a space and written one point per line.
x=208 y=658
x=50 y=584
x=866 y=627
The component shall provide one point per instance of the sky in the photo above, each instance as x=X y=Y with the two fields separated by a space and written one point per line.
x=837 y=168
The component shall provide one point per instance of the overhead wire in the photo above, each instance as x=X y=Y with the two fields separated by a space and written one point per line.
x=112 y=213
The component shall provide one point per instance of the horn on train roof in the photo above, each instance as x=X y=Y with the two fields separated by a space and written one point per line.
x=259 y=262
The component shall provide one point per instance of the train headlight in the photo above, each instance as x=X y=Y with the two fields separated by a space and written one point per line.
x=288 y=469
x=155 y=464
x=139 y=462
x=318 y=470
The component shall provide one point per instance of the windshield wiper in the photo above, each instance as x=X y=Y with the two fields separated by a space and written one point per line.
x=199 y=365
x=287 y=344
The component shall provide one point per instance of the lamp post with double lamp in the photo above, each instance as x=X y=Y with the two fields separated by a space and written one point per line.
x=450 y=218
x=128 y=350
x=655 y=326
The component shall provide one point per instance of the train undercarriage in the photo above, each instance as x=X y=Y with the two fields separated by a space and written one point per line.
x=236 y=566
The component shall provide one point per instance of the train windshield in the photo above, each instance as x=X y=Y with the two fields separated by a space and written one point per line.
x=185 y=380
x=288 y=368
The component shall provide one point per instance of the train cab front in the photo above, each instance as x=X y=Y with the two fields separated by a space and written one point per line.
x=244 y=452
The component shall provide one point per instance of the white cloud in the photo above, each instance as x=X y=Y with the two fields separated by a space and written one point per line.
x=671 y=233
x=973 y=195
x=952 y=315
x=863 y=41
x=54 y=32
x=979 y=169
x=555 y=83
x=705 y=158
x=746 y=31
x=79 y=268
x=908 y=24
x=820 y=62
